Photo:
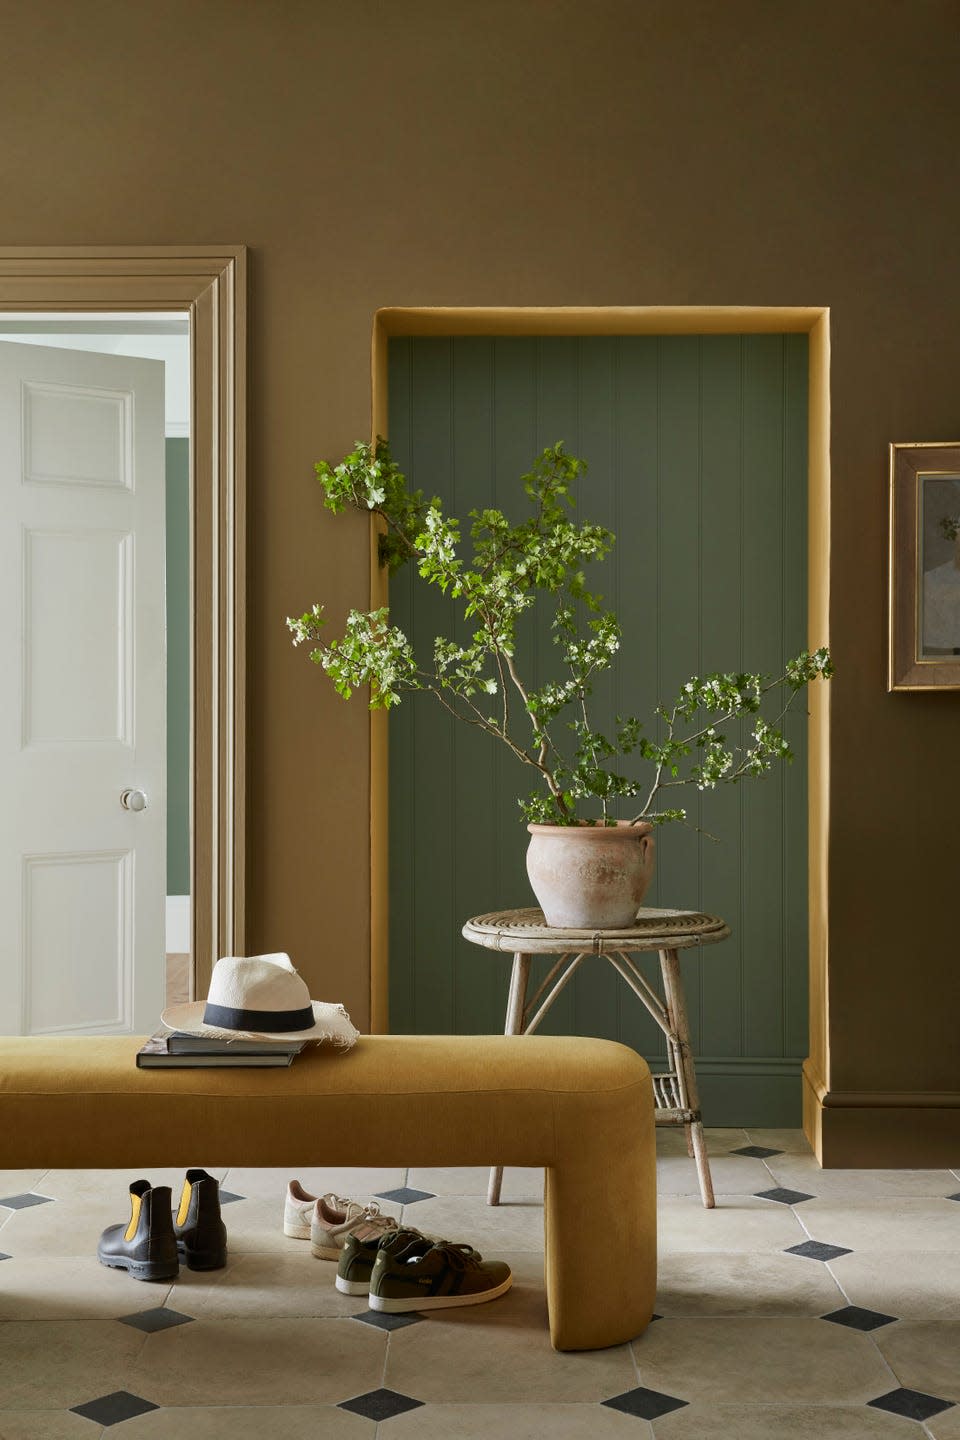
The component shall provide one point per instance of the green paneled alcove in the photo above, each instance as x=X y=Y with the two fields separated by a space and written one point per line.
x=697 y=456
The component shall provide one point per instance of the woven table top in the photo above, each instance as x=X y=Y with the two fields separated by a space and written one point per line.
x=524 y=932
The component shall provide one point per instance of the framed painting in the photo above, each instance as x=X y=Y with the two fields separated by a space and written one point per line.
x=924 y=643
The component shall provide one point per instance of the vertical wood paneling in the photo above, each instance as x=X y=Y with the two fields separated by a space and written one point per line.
x=697 y=461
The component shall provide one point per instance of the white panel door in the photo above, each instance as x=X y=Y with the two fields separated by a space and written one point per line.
x=83 y=692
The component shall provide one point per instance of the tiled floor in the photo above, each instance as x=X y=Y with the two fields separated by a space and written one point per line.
x=808 y=1304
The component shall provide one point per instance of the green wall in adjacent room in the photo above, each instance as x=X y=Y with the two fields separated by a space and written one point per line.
x=178 y=666
x=697 y=461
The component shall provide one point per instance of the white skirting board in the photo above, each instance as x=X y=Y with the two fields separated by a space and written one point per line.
x=178 y=924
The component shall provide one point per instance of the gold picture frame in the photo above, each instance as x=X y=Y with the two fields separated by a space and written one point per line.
x=924 y=617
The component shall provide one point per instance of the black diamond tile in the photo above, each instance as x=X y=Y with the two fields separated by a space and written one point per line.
x=227 y=1197
x=784 y=1197
x=856 y=1318
x=111 y=1409
x=383 y=1321
x=6 y=1257
x=380 y=1404
x=23 y=1202
x=949 y=1197
x=160 y=1318
x=645 y=1404
x=405 y=1196
x=759 y=1152
x=816 y=1250
x=655 y=1317
x=911 y=1403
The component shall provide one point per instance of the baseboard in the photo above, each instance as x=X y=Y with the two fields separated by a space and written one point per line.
x=747 y=1091
x=881 y=1130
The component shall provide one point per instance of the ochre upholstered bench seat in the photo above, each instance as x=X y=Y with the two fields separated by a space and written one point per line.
x=581 y=1108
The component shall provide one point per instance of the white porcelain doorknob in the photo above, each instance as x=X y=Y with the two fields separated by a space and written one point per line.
x=133 y=800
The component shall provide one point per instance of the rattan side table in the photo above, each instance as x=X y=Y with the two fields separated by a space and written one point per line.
x=524 y=934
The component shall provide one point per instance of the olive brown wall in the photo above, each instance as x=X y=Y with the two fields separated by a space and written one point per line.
x=543 y=153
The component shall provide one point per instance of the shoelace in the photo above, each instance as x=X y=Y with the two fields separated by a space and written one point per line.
x=354 y=1209
x=460 y=1257
x=372 y=1216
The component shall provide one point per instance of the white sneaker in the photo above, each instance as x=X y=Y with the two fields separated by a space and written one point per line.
x=327 y=1220
x=298 y=1211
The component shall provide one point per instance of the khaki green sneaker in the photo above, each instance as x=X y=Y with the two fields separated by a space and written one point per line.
x=357 y=1258
x=410 y=1278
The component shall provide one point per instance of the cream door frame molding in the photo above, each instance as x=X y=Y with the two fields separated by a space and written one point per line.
x=813 y=320
x=208 y=283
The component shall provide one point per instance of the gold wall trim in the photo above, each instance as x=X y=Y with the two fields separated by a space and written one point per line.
x=208 y=282
x=814 y=320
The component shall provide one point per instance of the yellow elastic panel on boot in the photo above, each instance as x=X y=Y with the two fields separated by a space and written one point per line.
x=184 y=1203
x=134 y=1217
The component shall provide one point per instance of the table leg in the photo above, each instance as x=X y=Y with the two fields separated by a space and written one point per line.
x=516 y=1004
x=683 y=1063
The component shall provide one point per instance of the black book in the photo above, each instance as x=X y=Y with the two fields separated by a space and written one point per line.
x=157 y=1053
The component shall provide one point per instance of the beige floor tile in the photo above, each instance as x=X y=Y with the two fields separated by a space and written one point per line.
x=801 y=1172
x=72 y=1289
x=783 y=1422
x=268 y=1286
x=254 y=1422
x=731 y=1175
x=893 y=1225
x=912 y=1285
x=516 y=1422
x=44 y=1425
x=259 y=1362
x=672 y=1140
x=19 y=1182
x=707 y=1285
x=257 y=1226
x=517 y=1225
x=271 y=1185
x=487 y=1361
x=61 y=1229
x=56 y=1364
x=518 y=1184
x=924 y=1357
x=113 y=1186
x=739 y=1222
x=746 y=1361
x=794 y=1142
x=945 y=1426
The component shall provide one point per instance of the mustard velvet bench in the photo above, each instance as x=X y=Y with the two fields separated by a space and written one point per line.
x=582 y=1109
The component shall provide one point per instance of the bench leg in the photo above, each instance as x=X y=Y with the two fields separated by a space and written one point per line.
x=516 y=1004
x=601 y=1230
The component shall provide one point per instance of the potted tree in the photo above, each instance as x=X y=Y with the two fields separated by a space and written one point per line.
x=588 y=869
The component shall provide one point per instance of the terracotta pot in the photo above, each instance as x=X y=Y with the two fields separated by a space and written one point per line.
x=590 y=876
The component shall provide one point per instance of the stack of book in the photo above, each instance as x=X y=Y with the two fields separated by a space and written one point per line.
x=174 y=1049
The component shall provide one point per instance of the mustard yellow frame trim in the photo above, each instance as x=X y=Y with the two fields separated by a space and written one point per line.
x=812 y=320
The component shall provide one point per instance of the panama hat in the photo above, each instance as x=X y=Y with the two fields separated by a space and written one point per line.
x=260 y=997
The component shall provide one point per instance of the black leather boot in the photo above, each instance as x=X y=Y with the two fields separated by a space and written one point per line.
x=146 y=1246
x=201 y=1234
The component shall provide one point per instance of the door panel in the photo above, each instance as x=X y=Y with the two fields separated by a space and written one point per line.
x=80 y=692
x=90 y=894
x=82 y=879
x=696 y=449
